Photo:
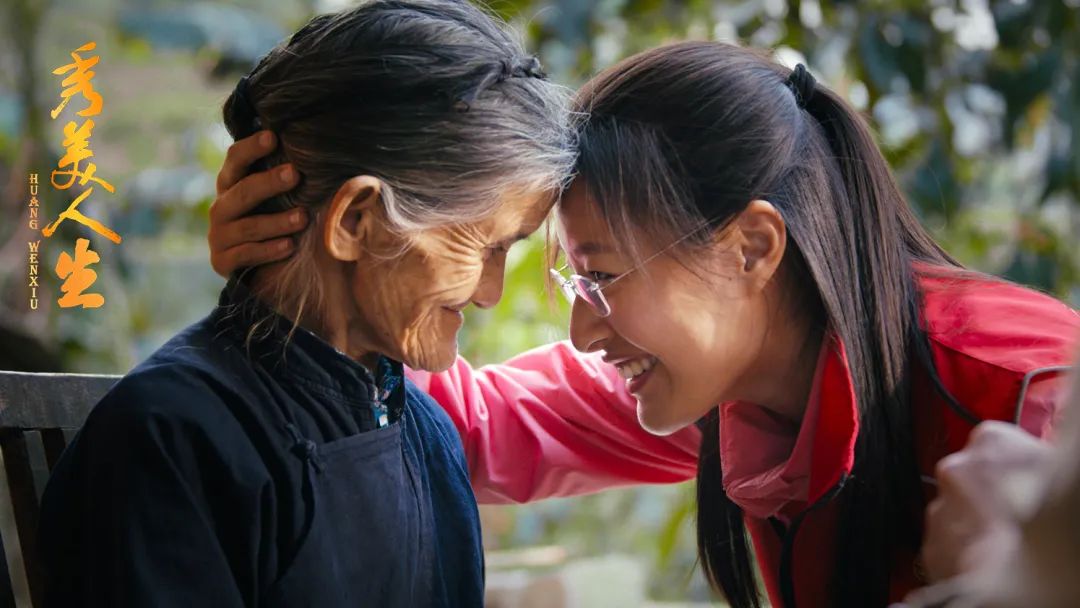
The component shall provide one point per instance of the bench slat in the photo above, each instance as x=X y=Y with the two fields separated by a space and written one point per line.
x=39 y=416
x=49 y=400
x=39 y=467
x=13 y=576
x=24 y=503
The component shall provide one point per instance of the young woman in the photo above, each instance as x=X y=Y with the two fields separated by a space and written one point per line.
x=755 y=303
x=271 y=454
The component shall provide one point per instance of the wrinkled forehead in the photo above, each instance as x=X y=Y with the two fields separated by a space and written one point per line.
x=519 y=213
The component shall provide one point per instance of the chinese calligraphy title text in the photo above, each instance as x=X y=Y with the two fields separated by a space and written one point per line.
x=76 y=168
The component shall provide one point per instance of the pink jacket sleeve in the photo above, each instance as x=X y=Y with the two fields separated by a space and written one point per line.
x=554 y=422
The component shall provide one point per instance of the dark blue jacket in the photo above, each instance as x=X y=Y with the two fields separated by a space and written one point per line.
x=249 y=470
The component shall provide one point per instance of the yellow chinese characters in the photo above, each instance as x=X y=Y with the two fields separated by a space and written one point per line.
x=76 y=167
x=79 y=82
x=78 y=278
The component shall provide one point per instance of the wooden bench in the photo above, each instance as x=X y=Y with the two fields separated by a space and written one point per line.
x=39 y=414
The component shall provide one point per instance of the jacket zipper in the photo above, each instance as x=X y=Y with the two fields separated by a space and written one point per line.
x=787 y=536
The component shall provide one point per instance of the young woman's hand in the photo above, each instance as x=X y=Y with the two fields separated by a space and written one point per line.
x=984 y=491
x=235 y=240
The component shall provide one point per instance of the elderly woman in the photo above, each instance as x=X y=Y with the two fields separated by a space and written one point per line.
x=272 y=454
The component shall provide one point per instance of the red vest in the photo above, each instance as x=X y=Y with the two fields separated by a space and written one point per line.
x=999 y=350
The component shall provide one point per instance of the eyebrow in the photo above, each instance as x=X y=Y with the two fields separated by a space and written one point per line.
x=521 y=236
x=590 y=248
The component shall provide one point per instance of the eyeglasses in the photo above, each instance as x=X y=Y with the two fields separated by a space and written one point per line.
x=592 y=293
x=576 y=286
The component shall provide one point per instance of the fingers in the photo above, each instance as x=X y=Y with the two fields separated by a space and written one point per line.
x=246 y=194
x=240 y=156
x=1003 y=465
x=950 y=528
x=256 y=228
x=254 y=240
x=982 y=491
x=1007 y=443
x=238 y=192
x=993 y=432
x=251 y=254
x=235 y=240
x=966 y=479
x=937 y=596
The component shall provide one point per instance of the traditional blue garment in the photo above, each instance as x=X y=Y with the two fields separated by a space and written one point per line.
x=249 y=470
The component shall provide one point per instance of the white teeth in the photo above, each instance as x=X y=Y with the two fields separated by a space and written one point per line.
x=632 y=369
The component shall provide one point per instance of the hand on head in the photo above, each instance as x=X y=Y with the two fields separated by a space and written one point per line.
x=236 y=238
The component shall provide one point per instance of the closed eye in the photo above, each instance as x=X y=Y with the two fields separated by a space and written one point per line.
x=600 y=278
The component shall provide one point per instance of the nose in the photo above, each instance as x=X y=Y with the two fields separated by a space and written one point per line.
x=588 y=332
x=489 y=290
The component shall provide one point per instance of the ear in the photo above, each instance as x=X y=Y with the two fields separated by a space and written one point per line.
x=760 y=242
x=351 y=217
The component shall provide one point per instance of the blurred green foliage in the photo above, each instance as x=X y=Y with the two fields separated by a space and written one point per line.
x=977 y=103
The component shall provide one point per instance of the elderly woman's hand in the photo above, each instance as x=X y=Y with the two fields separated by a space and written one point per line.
x=983 y=491
x=235 y=240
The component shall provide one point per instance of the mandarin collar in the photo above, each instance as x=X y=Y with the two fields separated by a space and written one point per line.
x=833 y=452
x=274 y=343
x=822 y=452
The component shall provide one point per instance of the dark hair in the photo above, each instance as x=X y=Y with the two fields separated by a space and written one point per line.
x=432 y=97
x=685 y=136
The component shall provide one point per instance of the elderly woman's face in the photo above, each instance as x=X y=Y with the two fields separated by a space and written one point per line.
x=411 y=306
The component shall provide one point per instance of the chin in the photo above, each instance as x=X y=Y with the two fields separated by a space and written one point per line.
x=436 y=358
x=658 y=421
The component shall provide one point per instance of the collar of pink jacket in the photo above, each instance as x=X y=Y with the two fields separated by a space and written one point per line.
x=769 y=463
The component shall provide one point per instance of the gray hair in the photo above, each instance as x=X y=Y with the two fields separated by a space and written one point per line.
x=433 y=97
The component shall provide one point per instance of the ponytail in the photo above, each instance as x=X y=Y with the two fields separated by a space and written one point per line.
x=878 y=318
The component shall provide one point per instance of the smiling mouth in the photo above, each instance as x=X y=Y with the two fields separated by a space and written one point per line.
x=635 y=367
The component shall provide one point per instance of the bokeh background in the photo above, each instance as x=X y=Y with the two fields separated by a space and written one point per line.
x=977 y=103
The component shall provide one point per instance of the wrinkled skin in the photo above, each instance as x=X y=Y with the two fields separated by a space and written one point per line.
x=405 y=306
x=409 y=307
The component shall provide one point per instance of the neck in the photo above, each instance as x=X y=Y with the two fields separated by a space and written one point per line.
x=783 y=374
x=333 y=319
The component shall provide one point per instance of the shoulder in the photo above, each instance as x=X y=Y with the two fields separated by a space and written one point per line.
x=174 y=392
x=183 y=396
x=163 y=430
x=159 y=416
x=996 y=323
x=424 y=406
x=431 y=419
x=191 y=379
x=999 y=348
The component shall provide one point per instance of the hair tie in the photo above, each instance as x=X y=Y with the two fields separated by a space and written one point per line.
x=802 y=85
x=524 y=67
x=521 y=67
x=518 y=67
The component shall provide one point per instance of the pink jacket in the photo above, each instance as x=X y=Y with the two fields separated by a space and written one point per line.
x=554 y=422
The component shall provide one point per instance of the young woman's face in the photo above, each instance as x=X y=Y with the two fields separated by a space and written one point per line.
x=685 y=339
